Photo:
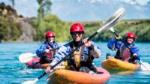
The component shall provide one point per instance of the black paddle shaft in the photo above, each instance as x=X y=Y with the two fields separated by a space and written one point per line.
x=116 y=34
x=42 y=75
x=92 y=36
x=52 y=67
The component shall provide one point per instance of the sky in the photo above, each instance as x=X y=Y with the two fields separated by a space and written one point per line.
x=87 y=10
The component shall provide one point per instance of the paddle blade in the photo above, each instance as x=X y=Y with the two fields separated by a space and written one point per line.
x=26 y=57
x=112 y=29
x=112 y=20
x=30 y=82
x=145 y=66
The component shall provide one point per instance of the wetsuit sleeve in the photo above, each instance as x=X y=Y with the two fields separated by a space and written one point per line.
x=62 y=52
x=57 y=46
x=41 y=50
x=112 y=44
x=135 y=52
x=95 y=51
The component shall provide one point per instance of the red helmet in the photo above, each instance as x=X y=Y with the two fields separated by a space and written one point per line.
x=131 y=35
x=49 y=34
x=77 y=27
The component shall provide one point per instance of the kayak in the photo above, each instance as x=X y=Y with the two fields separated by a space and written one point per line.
x=32 y=61
x=63 y=76
x=113 y=64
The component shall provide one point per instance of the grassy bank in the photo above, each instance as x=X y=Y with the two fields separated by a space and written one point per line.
x=11 y=31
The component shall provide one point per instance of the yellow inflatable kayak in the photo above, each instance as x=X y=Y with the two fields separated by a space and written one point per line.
x=113 y=64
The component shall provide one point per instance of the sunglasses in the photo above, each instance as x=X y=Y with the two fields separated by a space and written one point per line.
x=51 y=36
x=75 y=33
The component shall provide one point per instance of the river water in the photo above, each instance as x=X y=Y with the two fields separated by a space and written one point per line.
x=13 y=72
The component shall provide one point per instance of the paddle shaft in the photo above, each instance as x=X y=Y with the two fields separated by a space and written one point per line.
x=108 y=24
x=116 y=34
x=52 y=67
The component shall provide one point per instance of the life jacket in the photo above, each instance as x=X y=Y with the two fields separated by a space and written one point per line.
x=124 y=53
x=51 y=52
x=77 y=59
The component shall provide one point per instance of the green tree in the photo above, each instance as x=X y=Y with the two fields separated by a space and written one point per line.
x=12 y=3
x=44 y=8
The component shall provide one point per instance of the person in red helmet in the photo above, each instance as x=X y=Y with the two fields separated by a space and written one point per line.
x=45 y=52
x=130 y=37
x=47 y=49
x=50 y=36
x=126 y=49
x=79 y=53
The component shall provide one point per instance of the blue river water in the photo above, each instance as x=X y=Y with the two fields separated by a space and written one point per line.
x=14 y=72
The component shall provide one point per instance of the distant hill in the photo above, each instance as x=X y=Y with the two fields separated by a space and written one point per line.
x=14 y=27
x=140 y=27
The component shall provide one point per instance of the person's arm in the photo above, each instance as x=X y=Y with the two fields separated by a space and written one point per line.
x=135 y=52
x=112 y=44
x=62 y=52
x=43 y=51
x=40 y=52
x=95 y=51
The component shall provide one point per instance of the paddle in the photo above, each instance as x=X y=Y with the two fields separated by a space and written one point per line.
x=35 y=80
x=109 y=23
x=26 y=57
x=146 y=66
x=139 y=61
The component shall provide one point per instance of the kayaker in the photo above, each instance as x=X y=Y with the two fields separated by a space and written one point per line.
x=79 y=52
x=45 y=52
x=126 y=49
x=48 y=49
